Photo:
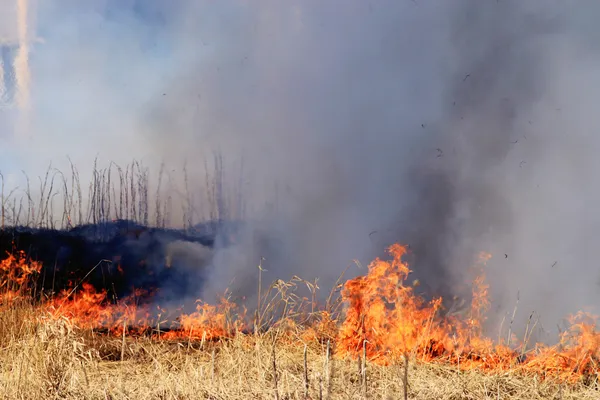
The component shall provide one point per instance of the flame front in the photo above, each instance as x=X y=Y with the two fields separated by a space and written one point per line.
x=385 y=313
x=16 y=276
x=386 y=317
x=383 y=317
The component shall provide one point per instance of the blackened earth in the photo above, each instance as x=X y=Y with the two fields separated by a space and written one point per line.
x=120 y=256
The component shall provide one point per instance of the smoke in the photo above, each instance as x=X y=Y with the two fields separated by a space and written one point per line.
x=455 y=127
x=23 y=78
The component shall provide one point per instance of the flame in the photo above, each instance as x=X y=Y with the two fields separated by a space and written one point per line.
x=209 y=322
x=383 y=317
x=386 y=317
x=89 y=309
x=17 y=273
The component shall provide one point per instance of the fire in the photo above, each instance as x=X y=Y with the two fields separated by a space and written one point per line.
x=386 y=317
x=383 y=317
x=17 y=273
x=209 y=322
x=384 y=312
x=89 y=309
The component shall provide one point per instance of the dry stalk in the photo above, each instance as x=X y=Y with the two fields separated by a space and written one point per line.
x=320 y=387
x=305 y=372
x=257 y=314
x=528 y=333
x=189 y=344
x=85 y=374
x=275 y=372
x=405 y=377
x=327 y=369
x=500 y=328
x=364 y=370
x=212 y=367
x=123 y=342
x=512 y=319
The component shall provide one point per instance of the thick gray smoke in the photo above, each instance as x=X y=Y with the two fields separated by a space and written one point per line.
x=456 y=127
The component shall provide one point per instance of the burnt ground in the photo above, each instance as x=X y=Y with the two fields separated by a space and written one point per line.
x=117 y=256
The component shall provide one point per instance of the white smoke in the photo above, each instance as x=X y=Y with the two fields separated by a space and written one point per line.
x=457 y=127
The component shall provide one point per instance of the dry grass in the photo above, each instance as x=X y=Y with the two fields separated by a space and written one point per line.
x=44 y=359
x=169 y=199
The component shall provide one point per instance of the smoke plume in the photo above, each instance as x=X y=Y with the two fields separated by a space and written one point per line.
x=455 y=127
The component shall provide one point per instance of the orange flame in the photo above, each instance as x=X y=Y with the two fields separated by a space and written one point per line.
x=391 y=321
x=16 y=274
x=383 y=314
x=209 y=322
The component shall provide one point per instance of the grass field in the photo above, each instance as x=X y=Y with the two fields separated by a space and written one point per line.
x=51 y=350
x=53 y=359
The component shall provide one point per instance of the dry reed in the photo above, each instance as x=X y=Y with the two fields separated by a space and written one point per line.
x=42 y=358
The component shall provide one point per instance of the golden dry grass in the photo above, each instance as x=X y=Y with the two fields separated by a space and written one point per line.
x=47 y=359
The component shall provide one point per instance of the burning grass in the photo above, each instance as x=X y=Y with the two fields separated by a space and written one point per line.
x=383 y=342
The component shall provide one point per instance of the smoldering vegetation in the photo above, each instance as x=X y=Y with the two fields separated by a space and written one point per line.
x=125 y=257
